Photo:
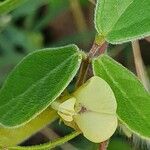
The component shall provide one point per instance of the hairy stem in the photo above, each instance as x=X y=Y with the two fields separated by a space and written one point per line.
x=103 y=145
x=83 y=72
x=46 y=146
x=50 y=134
x=96 y=50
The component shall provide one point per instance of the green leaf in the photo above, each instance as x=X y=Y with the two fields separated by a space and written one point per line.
x=8 y=5
x=132 y=99
x=122 y=20
x=14 y=136
x=36 y=82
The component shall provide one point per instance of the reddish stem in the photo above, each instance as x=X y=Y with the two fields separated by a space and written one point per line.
x=97 y=50
x=103 y=145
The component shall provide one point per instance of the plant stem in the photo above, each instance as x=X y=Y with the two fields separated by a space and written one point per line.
x=50 y=134
x=103 y=145
x=139 y=65
x=92 y=1
x=78 y=15
x=96 y=50
x=47 y=146
x=83 y=72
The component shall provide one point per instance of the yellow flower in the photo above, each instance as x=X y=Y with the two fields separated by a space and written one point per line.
x=93 y=109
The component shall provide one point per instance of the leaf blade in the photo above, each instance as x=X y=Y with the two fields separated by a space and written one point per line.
x=37 y=81
x=122 y=21
x=133 y=100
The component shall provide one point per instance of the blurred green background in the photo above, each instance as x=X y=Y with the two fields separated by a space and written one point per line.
x=49 y=23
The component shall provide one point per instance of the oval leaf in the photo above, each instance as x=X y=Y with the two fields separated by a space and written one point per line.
x=36 y=82
x=132 y=99
x=122 y=20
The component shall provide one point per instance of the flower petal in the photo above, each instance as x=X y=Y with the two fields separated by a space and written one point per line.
x=95 y=126
x=96 y=95
x=66 y=109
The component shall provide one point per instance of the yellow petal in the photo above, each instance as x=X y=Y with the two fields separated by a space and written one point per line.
x=96 y=127
x=96 y=95
x=66 y=109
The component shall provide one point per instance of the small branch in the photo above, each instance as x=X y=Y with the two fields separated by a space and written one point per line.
x=49 y=145
x=103 y=145
x=83 y=72
x=139 y=65
x=50 y=134
x=93 y=2
x=78 y=15
x=95 y=51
